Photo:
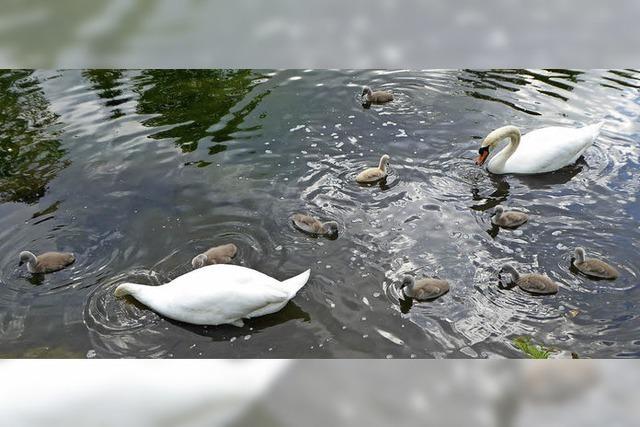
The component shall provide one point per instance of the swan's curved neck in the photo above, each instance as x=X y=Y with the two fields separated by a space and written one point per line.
x=383 y=165
x=498 y=135
x=132 y=289
x=407 y=287
x=515 y=276
x=30 y=259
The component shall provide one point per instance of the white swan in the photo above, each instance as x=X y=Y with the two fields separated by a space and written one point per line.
x=542 y=150
x=217 y=294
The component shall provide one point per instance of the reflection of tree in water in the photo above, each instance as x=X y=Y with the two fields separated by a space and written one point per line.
x=107 y=84
x=506 y=81
x=192 y=101
x=30 y=154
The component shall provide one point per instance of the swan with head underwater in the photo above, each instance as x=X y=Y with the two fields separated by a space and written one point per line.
x=217 y=294
x=539 y=151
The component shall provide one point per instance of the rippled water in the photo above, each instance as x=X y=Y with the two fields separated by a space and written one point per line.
x=138 y=171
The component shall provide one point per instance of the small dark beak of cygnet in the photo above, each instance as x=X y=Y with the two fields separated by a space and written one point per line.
x=20 y=263
x=483 y=154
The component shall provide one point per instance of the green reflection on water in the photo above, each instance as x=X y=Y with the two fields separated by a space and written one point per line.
x=191 y=101
x=30 y=152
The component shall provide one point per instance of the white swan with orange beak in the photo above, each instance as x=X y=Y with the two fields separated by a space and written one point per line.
x=542 y=150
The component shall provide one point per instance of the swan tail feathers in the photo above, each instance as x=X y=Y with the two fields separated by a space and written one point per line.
x=596 y=128
x=294 y=284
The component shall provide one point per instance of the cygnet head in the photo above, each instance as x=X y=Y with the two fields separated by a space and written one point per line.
x=366 y=91
x=580 y=254
x=28 y=257
x=508 y=268
x=331 y=227
x=407 y=282
x=199 y=261
x=384 y=162
x=498 y=211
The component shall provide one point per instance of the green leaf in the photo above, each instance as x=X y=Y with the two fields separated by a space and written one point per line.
x=534 y=351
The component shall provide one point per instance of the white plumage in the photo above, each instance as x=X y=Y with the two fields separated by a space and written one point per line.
x=541 y=150
x=217 y=294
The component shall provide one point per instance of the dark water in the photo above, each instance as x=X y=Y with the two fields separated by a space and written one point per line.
x=138 y=171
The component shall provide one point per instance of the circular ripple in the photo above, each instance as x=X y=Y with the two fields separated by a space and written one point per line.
x=106 y=314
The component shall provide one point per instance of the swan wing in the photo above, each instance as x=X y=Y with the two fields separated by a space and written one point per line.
x=214 y=305
x=214 y=275
x=217 y=294
x=370 y=175
x=550 y=148
x=306 y=223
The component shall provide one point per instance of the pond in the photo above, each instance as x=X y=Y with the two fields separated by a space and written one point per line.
x=137 y=171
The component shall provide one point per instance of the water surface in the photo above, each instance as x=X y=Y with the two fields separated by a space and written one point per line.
x=138 y=171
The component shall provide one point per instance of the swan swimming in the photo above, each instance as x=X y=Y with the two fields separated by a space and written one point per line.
x=426 y=289
x=371 y=175
x=537 y=284
x=593 y=267
x=377 y=97
x=508 y=219
x=47 y=262
x=217 y=294
x=311 y=225
x=539 y=151
x=222 y=254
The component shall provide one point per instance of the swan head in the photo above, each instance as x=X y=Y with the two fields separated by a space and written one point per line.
x=407 y=282
x=580 y=254
x=366 y=91
x=331 y=227
x=125 y=289
x=483 y=153
x=508 y=268
x=498 y=211
x=199 y=261
x=27 y=257
x=384 y=162
x=493 y=139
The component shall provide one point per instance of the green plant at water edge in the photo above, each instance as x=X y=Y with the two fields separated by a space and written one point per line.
x=534 y=351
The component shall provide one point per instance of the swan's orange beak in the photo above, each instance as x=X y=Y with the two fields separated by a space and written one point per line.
x=484 y=153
